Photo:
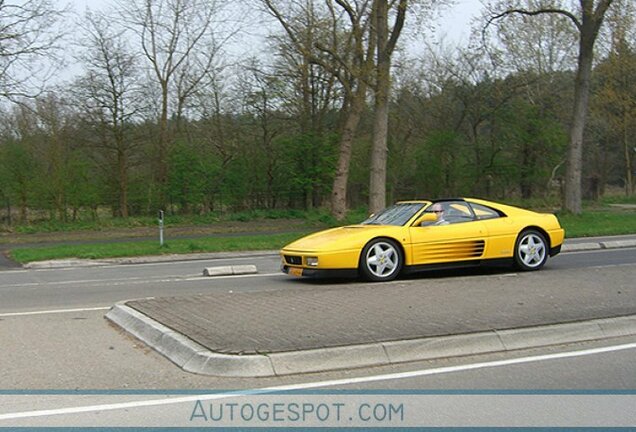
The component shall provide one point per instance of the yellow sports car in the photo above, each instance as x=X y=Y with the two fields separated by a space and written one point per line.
x=418 y=235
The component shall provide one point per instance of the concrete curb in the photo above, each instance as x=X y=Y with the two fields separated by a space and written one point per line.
x=230 y=270
x=190 y=257
x=184 y=352
x=609 y=244
x=196 y=358
x=617 y=244
x=64 y=263
x=575 y=247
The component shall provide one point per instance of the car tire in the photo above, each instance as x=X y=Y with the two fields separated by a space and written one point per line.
x=531 y=250
x=381 y=260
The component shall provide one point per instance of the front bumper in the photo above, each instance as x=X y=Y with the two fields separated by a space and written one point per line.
x=319 y=273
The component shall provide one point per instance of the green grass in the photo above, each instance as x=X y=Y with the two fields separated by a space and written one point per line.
x=127 y=249
x=599 y=223
x=618 y=199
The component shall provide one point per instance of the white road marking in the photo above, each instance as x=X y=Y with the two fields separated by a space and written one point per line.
x=313 y=385
x=136 y=280
x=53 y=311
x=75 y=281
x=13 y=271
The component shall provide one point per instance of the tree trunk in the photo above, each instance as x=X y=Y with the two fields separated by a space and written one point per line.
x=575 y=149
x=379 y=150
x=629 y=181
x=162 y=168
x=123 y=184
x=589 y=28
x=525 y=183
x=339 y=191
x=9 y=220
x=23 y=207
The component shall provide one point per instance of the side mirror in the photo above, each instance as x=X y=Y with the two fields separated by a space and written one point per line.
x=425 y=219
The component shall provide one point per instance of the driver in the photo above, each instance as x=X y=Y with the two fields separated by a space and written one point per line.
x=439 y=212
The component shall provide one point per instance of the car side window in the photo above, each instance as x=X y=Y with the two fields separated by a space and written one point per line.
x=484 y=213
x=457 y=212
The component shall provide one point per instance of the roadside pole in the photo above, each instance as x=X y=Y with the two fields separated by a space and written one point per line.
x=160 y=227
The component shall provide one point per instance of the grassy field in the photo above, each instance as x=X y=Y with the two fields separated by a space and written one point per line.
x=261 y=232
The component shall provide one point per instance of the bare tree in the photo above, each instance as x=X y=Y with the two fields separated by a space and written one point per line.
x=178 y=39
x=201 y=71
x=536 y=50
x=109 y=93
x=260 y=100
x=359 y=53
x=17 y=164
x=588 y=20
x=308 y=93
x=539 y=45
x=348 y=54
x=54 y=148
x=30 y=38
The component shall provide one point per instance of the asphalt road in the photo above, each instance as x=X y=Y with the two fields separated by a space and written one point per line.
x=53 y=336
x=32 y=290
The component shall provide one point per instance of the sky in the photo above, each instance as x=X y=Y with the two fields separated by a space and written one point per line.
x=455 y=23
x=453 y=26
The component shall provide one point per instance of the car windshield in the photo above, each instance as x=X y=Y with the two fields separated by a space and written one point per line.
x=397 y=214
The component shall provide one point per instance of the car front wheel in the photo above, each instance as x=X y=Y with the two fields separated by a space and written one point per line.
x=531 y=250
x=381 y=260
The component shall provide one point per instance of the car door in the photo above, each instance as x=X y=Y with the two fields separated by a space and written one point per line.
x=462 y=238
x=502 y=232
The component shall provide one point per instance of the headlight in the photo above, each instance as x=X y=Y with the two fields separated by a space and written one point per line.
x=312 y=261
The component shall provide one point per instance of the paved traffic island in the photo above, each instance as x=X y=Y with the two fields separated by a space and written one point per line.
x=319 y=326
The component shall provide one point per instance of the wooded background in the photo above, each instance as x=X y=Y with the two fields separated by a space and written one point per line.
x=349 y=104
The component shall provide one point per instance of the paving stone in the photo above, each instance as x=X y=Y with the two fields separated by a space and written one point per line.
x=324 y=315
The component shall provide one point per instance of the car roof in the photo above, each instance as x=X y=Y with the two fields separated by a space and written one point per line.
x=426 y=201
x=413 y=202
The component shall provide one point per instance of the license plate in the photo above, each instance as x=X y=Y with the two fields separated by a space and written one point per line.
x=296 y=271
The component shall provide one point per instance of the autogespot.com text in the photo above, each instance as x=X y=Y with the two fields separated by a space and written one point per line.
x=295 y=413
x=322 y=409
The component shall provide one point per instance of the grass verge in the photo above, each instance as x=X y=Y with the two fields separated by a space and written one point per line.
x=127 y=249
x=599 y=223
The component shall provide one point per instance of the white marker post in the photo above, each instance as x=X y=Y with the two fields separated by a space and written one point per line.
x=160 y=227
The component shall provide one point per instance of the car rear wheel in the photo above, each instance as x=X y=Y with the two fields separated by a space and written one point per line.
x=531 y=250
x=381 y=260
